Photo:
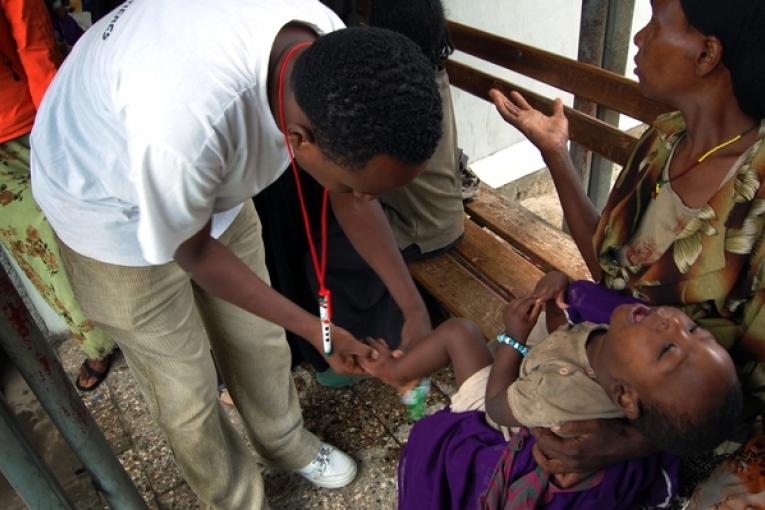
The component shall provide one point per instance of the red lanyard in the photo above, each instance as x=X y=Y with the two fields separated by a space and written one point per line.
x=319 y=266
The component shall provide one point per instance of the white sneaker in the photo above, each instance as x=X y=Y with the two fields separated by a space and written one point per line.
x=331 y=468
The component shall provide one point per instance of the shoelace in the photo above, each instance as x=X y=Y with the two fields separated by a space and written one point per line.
x=322 y=459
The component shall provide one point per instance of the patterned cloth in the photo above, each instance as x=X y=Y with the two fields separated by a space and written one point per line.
x=448 y=461
x=723 y=290
x=664 y=220
x=739 y=482
x=26 y=235
x=518 y=483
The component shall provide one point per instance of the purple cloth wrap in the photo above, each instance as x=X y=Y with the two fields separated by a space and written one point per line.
x=588 y=301
x=450 y=458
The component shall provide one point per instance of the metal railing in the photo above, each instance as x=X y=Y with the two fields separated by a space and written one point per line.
x=38 y=364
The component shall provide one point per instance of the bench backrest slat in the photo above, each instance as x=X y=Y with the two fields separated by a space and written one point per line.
x=608 y=141
x=583 y=80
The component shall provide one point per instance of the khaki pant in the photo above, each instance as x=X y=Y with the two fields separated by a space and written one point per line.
x=157 y=315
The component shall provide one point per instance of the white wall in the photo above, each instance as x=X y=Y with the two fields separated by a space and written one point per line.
x=498 y=152
x=639 y=19
x=552 y=25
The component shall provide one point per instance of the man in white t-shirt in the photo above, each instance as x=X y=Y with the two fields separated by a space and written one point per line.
x=149 y=144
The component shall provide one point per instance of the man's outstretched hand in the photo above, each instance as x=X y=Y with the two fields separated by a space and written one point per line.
x=347 y=351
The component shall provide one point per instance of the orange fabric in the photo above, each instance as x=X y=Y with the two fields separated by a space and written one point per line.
x=28 y=60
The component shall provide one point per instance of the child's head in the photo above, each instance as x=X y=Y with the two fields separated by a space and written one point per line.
x=422 y=21
x=369 y=110
x=670 y=377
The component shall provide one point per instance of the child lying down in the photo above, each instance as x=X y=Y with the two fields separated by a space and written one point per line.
x=652 y=366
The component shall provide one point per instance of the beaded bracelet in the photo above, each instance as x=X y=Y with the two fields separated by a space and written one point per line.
x=504 y=339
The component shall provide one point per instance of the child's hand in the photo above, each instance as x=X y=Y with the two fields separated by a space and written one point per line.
x=382 y=366
x=553 y=285
x=520 y=316
x=346 y=352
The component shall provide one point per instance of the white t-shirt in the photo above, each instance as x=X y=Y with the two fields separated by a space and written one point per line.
x=159 y=120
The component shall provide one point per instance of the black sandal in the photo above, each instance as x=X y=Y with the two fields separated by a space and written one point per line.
x=99 y=376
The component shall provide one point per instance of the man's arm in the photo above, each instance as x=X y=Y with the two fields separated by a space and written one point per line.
x=216 y=269
x=366 y=226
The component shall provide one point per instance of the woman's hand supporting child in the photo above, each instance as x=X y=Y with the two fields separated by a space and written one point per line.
x=595 y=444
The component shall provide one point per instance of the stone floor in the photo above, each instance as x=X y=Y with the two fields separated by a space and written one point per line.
x=366 y=420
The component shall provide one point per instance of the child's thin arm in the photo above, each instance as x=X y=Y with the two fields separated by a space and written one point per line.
x=458 y=341
x=504 y=372
x=520 y=317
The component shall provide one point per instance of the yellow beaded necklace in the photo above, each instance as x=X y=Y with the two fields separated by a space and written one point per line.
x=704 y=155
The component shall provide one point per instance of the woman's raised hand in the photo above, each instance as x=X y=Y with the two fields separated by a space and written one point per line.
x=548 y=134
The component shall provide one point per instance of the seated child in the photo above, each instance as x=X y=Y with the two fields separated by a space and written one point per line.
x=643 y=367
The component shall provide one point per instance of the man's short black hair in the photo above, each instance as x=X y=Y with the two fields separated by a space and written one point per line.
x=422 y=21
x=690 y=435
x=369 y=91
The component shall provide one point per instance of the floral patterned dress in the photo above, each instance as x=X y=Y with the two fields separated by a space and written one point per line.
x=27 y=236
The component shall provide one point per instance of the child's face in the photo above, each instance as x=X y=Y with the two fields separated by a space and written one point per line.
x=666 y=358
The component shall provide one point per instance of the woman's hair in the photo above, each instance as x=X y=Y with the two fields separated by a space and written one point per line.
x=369 y=91
x=740 y=27
x=422 y=21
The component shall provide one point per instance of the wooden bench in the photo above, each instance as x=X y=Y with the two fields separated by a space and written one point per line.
x=507 y=248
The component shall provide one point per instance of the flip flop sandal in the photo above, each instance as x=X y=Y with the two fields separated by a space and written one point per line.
x=99 y=376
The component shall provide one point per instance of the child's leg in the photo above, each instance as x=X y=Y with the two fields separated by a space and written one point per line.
x=457 y=341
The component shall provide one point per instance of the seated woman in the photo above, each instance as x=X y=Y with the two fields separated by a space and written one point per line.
x=683 y=225
x=639 y=369
x=691 y=193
